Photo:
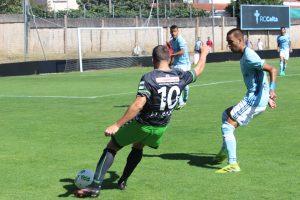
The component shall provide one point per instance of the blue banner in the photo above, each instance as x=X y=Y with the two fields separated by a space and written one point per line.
x=264 y=17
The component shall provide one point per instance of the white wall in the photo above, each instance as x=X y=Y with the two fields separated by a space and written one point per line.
x=96 y=43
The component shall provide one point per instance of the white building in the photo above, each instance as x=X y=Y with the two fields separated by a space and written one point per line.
x=62 y=4
x=55 y=5
x=219 y=6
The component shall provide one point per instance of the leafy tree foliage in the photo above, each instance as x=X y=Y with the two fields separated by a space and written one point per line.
x=100 y=8
x=11 y=7
x=16 y=7
x=142 y=7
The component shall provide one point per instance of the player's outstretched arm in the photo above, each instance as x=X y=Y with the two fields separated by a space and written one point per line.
x=273 y=73
x=131 y=112
x=179 y=53
x=201 y=63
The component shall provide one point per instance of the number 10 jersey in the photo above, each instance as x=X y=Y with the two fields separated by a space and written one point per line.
x=162 y=90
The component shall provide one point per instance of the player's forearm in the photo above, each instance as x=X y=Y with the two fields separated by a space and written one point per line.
x=131 y=112
x=179 y=53
x=273 y=75
x=200 y=65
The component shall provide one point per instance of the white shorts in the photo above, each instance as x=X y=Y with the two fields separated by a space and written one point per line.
x=185 y=67
x=243 y=112
x=284 y=53
x=196 y=58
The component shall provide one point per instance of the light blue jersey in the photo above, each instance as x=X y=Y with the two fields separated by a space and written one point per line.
x=178 y=44
x=283 y=42
x=255 y=79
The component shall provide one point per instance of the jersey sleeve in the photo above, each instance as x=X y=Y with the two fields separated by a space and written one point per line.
x=254 y=61
x=190 y=76
x=144 y=88
x=181 y=43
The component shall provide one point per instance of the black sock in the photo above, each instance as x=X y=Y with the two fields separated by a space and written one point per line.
x=103 y=165
x=133 y=159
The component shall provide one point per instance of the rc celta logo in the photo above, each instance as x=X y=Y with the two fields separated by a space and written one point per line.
x=262 y=19
x=256 y=14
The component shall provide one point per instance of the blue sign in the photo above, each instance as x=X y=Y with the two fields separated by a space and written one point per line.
x=264 y=17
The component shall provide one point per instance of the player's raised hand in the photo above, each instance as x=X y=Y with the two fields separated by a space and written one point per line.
x=205 y=49
x=111 y=130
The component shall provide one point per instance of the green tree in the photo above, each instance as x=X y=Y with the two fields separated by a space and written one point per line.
x=92 y=8
x=100 y=8
x=236 y=4
x=11 y=7
x=127 y=8
x=39 y=10
x=183 y=10
x=16 y=7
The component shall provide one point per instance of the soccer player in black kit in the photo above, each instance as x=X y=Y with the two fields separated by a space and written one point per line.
x=146 y=119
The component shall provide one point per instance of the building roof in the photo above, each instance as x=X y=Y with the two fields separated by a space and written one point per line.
x=208 y=6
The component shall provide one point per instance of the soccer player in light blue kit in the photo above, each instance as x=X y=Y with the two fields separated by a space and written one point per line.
x=181 y=60
x=284 y=48
x=259 y=94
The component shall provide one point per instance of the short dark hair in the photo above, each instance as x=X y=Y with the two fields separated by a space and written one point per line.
x=173 y=27
x=160 y=53
x=238 y=33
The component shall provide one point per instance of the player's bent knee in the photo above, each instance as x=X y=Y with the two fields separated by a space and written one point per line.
x=226 y=114
x=113 y=146
x=139 y=146
x=112 y=151
x=227 y=129
x=229 y=137
x=138 y=153
x=224 y=117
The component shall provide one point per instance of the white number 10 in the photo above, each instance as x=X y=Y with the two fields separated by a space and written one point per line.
x=167 y=98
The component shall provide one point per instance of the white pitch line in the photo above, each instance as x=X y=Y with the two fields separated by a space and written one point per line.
x=102 y=96
x=119 y=94
x=215 y=83
x=57 y=97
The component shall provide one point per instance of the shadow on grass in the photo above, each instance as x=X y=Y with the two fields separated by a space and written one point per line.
x=194 y=159
x=109 y=183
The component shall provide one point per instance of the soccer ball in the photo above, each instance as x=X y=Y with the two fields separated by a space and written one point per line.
x=84 y=178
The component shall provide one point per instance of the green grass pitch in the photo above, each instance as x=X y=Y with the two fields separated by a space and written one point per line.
x=52 y=126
